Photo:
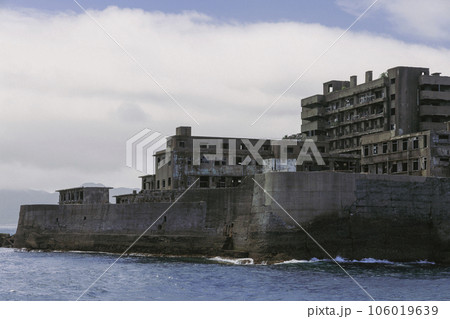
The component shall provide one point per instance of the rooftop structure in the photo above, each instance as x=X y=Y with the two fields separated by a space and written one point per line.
x=84 y=195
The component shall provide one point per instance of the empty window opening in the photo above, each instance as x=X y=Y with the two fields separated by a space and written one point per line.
x=405 y=144
x=394 y=146
x=415 y=143
x=404 y=167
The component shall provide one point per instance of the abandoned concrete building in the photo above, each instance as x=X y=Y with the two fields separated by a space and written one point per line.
x=395 y=124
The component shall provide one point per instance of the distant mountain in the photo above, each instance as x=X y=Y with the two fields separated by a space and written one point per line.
x=10 y=200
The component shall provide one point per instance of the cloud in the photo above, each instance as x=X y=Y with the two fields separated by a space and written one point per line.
x=419 y=19
x=71 y=97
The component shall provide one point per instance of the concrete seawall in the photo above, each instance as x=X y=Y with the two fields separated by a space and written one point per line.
x=351 y=215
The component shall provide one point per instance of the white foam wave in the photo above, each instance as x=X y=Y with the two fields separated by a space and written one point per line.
x=296 y=261
x=235 y=261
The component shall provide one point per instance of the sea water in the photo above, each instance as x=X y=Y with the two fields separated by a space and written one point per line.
x=34 y=275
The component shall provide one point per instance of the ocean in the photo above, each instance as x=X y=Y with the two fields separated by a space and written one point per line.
x=37 y=275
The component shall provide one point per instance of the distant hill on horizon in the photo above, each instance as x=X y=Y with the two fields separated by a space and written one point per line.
x=11 y=200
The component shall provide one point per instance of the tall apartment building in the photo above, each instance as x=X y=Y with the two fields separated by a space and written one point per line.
x=402 y=102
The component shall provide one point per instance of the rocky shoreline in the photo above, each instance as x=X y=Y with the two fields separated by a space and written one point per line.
x=6 y=240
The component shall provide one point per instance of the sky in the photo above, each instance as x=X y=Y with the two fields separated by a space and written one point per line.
x=74 y=90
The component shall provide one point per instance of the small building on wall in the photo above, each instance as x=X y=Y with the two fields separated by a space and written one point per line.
x=84 y=195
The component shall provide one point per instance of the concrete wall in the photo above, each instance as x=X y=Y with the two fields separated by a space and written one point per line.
x=350 y=215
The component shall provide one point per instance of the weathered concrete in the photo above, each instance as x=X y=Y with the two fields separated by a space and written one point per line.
x=351 y=215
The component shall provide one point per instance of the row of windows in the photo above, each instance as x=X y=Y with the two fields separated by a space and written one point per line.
x=394 y=146
x=169 y=183
x=396 y=167
x=360 y=99
x=225 y=146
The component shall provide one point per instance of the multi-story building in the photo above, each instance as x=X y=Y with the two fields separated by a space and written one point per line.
x=403 y=104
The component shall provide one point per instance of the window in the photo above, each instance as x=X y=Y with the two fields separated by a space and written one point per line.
x=181 y=144
x=266 y=147
x=393 y=81
x=157 y=184
x=404 y=167
x=393 y=111
x=366 y=150
x=203 y=146
x=242 y=146
x=385 y=148
x=415 y=143
x=226 y=146
x=415 y=165
x=163 y=183
x=375 y=149
x=169 y=181
x=394 y=146
x=392 y=97
x=290 y=150
x=217 y=163
x=424 y=163
x=425 y=141
x=405 y=144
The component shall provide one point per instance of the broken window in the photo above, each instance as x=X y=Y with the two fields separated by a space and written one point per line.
x=375 y=149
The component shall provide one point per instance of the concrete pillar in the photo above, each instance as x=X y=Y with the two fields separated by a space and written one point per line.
x=368 y=76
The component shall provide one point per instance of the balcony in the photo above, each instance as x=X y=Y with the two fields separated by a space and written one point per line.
x=434 y=110
x=434 y=80
x=434 y=95
x=313 y=126
x=432 y=126
x=315 y=99
x=309 y=114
